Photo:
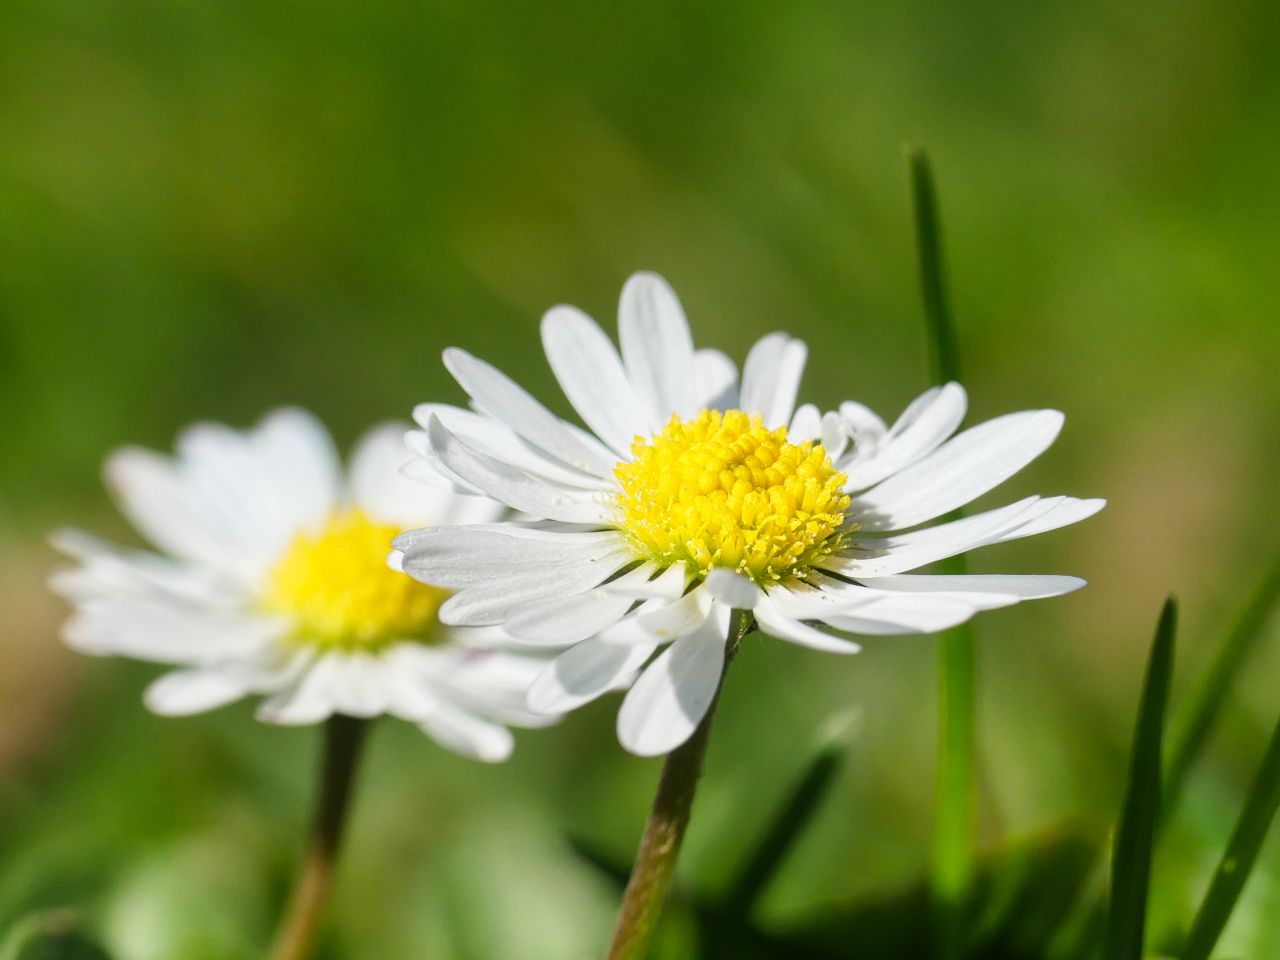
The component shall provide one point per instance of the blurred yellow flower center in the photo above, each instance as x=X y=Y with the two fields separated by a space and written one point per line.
x=720 y=490
x=337 y=587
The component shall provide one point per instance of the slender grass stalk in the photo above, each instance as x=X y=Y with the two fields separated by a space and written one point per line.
x=943 y=355
x=1207 y=702
x=343 y=739
x=1237 y=860
x=1135 y=837
x=794 y=814
x=953 y=835
x=655 y=863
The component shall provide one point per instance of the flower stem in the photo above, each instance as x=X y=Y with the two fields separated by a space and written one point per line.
x=664 y=832
x=343 y=738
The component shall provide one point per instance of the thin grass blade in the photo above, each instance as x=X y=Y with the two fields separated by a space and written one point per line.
x=1206 y=704
x=1237 y=860
x=953 y=834
x=1135 y=837
x=943 y=353
x=795 y=813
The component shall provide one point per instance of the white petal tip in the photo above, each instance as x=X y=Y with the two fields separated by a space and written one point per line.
x=1054 y=419
x=639 y=747
x=546 y=696
x=732 y=589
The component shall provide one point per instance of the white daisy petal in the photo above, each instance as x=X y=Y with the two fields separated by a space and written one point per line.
x=889 y=615
x=870 y=557
x=184 y=692
x=915 y=409
x=777 y=624
x=108 y=572
x=507 y=484
x=488 y=608
x=771 y=378
x=865 y=424
x=499 y=441
x=715 y=379
x=1017 y=586
x=428 y=469
x=464 y=556
x=498 y=396
x=565 y=620
x=1055 y=512
x=645 y=582
x=806 y=426
x=657 y=349
x=527 y=587
x=591 y=374
x=495 y=683
x=258 y=488
x=380 y=488
x=408 y=697
x=672 y=695
x=163 y=632
x=358 y=686
x=584 y=672
x=310 y=699
x=447 y=498
x=155 y=501
x=230 y=500
x=661 y=621
x=732 y=589
x=469 y=735
x=300 y=464
x=924 y=426
x=959 y=471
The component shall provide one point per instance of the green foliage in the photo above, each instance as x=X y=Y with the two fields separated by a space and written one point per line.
x=1237 y=862
x=49 y=936
x=1217 y=682
x=1135 y=836
x=794 y=814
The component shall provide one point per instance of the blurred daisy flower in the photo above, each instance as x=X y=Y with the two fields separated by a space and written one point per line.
x=694 y=496
x=273 y=579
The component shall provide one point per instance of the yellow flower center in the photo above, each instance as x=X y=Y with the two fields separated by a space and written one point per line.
x=336 y=586
x=722 y=491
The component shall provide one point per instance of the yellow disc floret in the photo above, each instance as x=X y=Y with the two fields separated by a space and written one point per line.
x=721 y=490
x=336 y=586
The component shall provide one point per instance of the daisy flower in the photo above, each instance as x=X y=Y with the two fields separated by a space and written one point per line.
x=690 y=496
x=272 y=579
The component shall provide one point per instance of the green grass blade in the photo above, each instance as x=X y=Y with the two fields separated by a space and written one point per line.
x=1207 y=702
x=943 y=354
x=1135 y=837
x=953 y=859
x=795 y=813
x=1238 y=859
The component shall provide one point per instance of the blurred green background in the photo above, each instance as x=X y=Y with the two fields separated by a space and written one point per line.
x=209 y=209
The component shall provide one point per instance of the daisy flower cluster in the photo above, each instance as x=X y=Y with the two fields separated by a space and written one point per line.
x=693 y=493
x=501 y=566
